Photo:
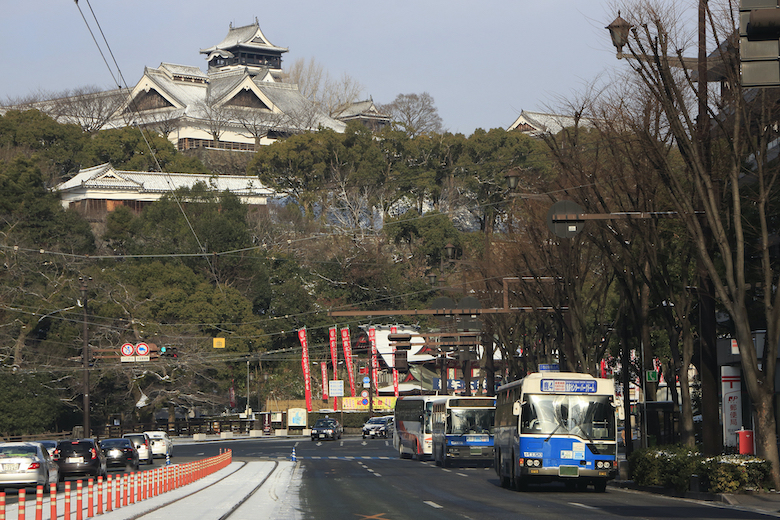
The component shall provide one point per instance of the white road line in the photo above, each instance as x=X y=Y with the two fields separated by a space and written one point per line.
x=433 y=504
x=462 y=474
x=583 y=506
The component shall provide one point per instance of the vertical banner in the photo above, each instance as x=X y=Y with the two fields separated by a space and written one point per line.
x=374 y=361
x=731 y=386
x=348 y=358
x=324 y=366
x=334 y=357
x=306 y=366
x=394 y=330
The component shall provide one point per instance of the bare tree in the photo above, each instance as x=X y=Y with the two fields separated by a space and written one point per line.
x=727 y=205
x=330 y=95
x=415 y=114
x=89 y=107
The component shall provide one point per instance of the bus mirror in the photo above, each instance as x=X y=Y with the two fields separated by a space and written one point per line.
x=516 y=408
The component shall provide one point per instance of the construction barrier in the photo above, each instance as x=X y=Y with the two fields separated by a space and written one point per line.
x=120 y=491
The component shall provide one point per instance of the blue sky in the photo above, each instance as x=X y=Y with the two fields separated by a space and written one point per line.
x=482 y=64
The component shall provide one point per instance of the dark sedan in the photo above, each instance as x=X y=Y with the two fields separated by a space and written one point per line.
x=120 y=453
x=80 y=457
x=326 y=429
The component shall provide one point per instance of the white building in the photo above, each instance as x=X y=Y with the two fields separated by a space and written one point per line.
x=96 y=191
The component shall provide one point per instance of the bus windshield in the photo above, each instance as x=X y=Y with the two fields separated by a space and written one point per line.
x=476 y=420
x=591 y=417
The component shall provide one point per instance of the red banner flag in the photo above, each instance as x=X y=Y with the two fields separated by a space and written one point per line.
x=324 y=366
x=348 y=358
x=394 y=330
x=374 y=361
x=306 y=366
x=334 y=357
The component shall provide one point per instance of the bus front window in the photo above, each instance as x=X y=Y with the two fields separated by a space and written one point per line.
x=469 y=421
x=589 y=417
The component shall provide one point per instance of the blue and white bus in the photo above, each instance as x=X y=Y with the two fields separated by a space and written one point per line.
x=412 y=431
x=556 y=426
x=463 y=429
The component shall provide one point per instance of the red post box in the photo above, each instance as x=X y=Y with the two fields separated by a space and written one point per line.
x=746 y=442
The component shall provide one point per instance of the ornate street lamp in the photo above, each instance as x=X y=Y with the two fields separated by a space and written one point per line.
x=618 y=31
x=512 y=178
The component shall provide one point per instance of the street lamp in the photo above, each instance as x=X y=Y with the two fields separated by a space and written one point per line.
x=618 y=31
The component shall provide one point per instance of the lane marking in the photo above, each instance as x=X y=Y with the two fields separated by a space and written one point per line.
x=583 y=506
x=433 y=504
x=462 y=474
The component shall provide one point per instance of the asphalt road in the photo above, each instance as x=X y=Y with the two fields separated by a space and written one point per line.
x=356 y=478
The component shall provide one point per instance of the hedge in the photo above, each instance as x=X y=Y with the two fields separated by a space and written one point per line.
x=673 y=467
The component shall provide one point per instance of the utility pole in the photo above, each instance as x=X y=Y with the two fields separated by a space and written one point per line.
x=85 y=357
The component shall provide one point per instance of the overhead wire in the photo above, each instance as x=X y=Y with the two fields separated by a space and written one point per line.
x=139 y=115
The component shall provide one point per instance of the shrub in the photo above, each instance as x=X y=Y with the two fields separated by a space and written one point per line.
x=732 y=473
x=673 y=466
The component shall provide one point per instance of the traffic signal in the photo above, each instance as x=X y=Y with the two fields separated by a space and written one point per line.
x=400 y=361
x=759 y=43
x=169 y=352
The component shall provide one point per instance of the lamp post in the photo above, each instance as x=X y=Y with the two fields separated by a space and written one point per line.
x=85 y=356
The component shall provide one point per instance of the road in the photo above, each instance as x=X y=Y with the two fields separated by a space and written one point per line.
x=356 y=478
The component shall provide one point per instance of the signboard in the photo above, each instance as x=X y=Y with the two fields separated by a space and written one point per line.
x=731 y=386
x=218 y=343
x=572 y=386
x=651 y=376
x=336 y=388
x=296 y=417
x=366 y=382
x=361 y=403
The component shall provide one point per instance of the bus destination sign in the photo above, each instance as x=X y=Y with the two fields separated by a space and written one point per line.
x=569 y=386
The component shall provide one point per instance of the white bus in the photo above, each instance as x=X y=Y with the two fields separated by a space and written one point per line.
x=463 y=429
x=412 y=429
x=556 y=426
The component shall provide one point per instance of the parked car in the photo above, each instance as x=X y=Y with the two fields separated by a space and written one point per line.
x=143 y=444
x=25 y=464
x=51 y=446
x=326 y=429
x=120 y=453
x=378 y=427
x=80 y=457
x=162 y=445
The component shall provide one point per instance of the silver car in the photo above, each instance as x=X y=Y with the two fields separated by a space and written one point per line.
x=26 y=464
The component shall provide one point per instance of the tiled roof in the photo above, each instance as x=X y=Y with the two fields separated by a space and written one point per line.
x=538 y=123
x=246 y=36
x=106 y=177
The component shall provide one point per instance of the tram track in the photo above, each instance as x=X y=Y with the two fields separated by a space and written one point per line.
x=229 y=512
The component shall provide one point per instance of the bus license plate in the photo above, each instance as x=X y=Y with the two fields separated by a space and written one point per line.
x=476 y=450
x=569 y=471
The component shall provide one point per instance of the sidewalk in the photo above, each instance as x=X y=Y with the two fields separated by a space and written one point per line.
x=765 y=503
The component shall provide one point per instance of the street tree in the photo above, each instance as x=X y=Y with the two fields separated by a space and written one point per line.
x=724 y=194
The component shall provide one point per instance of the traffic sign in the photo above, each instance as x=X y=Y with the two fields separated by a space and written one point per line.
x=127 y=349
x=364 y=393
x=336 y=388
x=142 y=349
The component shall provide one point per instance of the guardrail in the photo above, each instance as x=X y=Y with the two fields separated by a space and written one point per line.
x=107 y=495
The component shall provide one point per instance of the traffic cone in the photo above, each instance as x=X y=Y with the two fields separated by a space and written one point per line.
x=292 y=456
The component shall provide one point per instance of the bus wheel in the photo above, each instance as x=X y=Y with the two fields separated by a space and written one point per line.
x=401 y=453
x=520 y=484
x=436 y=457
x=600 y=486
x=444 y=462
x=505 y=481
